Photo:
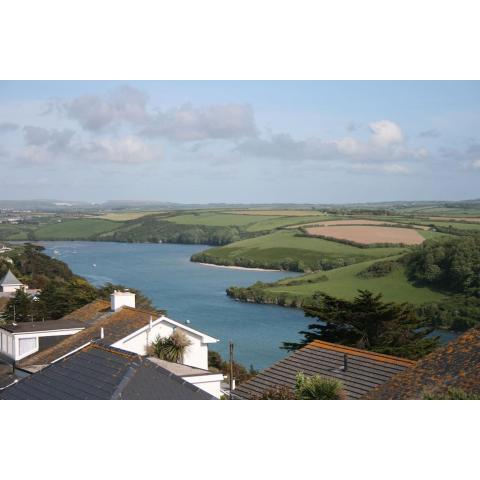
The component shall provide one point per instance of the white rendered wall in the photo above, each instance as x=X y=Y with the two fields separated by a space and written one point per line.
x=11 y=288
x=10 y=344
x=122 y=299
x=196 y=354
x=209 y=383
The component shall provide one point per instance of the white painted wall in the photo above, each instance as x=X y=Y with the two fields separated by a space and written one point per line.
x=11 y=288
x=196 y=354
x=121 y=299
x=210 y=383
x=10 y=342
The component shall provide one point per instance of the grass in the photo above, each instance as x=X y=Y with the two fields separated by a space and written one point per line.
x=285 y=244
x=279 y=222
x=76 y=229
x=124 y=216
x=216 y=219
x=343 y=282
x=276 y=213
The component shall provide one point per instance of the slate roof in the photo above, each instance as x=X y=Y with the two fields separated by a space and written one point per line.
x=10 y=279
x=454 y=365
x=101 y=372
x=30 y=327
x=365 y=370
x=116 y=325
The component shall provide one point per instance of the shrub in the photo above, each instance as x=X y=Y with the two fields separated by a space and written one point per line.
x=277 y=393
x=318 y=388
x=170 y=348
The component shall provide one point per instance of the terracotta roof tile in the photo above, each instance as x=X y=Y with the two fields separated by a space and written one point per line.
x=455 y=365
x=365 y=370
x=116 y=325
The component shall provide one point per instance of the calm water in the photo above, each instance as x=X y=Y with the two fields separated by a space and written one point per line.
x=189 y=291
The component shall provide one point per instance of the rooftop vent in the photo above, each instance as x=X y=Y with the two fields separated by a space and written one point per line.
x=121 y=299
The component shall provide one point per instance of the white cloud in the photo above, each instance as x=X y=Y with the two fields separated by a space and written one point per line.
x=54 y=140
x=125 y=150
x=188 y=123
x=386 y=144
x=93 y=112
x=391 y=168
x=7 y=127
x=476 y=164
x=386 y=133
x=128 y=106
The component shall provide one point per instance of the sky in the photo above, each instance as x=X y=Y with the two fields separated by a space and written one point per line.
x=240 y=142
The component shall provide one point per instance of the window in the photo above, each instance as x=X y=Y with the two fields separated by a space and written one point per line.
x=27 y=345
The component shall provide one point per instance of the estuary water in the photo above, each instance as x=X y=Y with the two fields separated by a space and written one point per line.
x=191 y=292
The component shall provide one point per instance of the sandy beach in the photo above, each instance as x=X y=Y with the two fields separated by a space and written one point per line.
x=238 y=268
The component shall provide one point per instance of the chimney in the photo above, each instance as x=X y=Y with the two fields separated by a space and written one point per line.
x=121 y=299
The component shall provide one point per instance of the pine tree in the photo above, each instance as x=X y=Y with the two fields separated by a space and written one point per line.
x=369 y=323
x=19 y=308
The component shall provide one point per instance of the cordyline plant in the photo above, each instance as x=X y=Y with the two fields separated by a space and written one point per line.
x=315 y=387
x=172 y=348
x=318 y=388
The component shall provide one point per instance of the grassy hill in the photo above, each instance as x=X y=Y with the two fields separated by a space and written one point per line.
x=288 y=250
x=82 y=228
x=341 y=282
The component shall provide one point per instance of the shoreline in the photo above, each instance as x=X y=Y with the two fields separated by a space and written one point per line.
x=239 y=268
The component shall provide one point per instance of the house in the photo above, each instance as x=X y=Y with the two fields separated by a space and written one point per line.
x=10 y=283
x=118 y=323
x=360 y=371
x=101 y=372
x=19 y=340
x=455 y=365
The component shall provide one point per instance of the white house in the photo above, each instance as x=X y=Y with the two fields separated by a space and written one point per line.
x=116 y=323
x=10 y=283
x=20 y=340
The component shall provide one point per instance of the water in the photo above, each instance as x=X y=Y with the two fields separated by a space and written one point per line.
x=190 y=291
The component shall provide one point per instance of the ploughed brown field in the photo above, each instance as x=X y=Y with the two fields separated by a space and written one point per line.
x=369 y=234
x=329 y=223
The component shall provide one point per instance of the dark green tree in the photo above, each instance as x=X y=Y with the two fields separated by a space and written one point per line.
x=19 y=308
x=369 y=323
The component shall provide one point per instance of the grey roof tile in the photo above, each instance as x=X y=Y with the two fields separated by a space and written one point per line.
x=98 y=371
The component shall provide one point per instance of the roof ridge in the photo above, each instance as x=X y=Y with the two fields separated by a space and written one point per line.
x=360 y=352
x=12 y=279
x=142 y=310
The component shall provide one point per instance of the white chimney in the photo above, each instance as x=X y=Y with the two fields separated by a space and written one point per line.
x=121 y=299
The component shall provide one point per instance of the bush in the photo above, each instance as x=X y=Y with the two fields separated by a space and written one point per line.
x=172 y=348
x=378 y=269
x=318 y=388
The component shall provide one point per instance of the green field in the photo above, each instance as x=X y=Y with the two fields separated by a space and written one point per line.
x=270 y=250
x=344 y=283
x=279 y=222
x=212 y=219
x=82 y=228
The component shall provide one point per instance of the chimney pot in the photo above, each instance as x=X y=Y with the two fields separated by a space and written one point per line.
x=120 y=299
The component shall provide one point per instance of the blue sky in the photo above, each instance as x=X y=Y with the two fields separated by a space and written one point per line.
x=248 y=142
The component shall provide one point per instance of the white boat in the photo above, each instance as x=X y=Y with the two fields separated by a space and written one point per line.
x=94 y=264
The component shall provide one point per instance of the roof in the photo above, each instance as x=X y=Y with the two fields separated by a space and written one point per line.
x=100 y=372
x=10 y=279
x=116 y=325
x=365 y=370
x=180 y=369
x=30 y=327
x=454 y=365
x=205 y=338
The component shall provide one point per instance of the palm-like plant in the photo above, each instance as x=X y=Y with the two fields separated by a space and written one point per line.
x=172 y=348
x=318 y=388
